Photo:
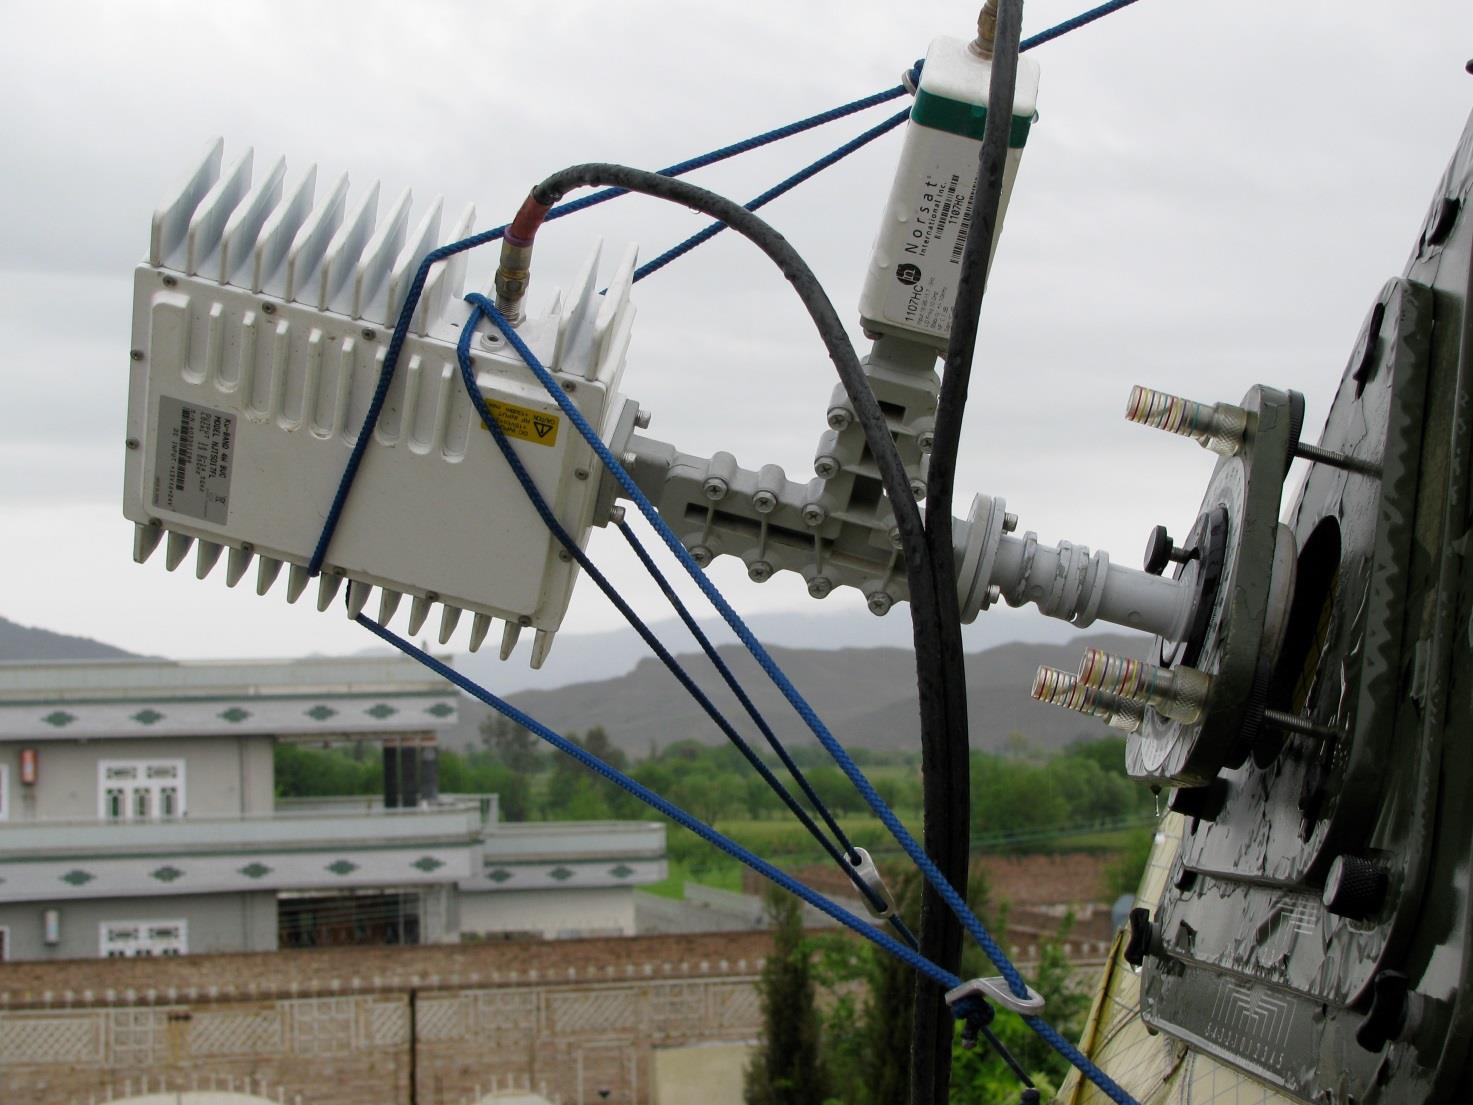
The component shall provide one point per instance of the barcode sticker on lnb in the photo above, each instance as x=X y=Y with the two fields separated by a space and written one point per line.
x=191 y=472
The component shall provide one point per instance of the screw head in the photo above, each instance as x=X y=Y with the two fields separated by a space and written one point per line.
x=616 y=515
x=131 y=443
x=268 y=308
x=759 y=571
x=580 y=473
x=564 y=555
x=700 y=554
x=926 y=441
x=839 y=418
x=715 y=488
x=568 y=386
x=169 y=281
x=820 y=586
x=490 y=338
x=994 y=594
x=1009 y=521
x=764 y=502
x=642 y=419
x=524 y=620
x=918 y=489
x=367 y=334
x=879 y=604
x=813 y=515
x=135 y=354
x=825 y=468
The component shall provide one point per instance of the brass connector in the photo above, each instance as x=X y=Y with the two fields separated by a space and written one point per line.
x=512 y=277
x=986 y=30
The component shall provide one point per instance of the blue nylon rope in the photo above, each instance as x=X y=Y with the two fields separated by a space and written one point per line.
x=1080 y=20
x=715 y=228
x=561 y=535
x=759 y=653
x=896 y=921
x=669 y=809
x=881 y=939
x=421 y=276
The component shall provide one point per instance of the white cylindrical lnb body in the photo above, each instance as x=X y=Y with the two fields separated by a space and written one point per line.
x=1067 y=581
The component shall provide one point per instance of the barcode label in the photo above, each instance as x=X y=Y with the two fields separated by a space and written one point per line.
x=192 y=460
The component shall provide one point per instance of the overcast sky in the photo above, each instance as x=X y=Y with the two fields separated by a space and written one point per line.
x=1213 y=196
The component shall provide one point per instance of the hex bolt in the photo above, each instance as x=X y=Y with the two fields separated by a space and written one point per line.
x=994 y=594
x=490 y=338
x=1204 y=803
x=814 y=515
x=629 y=460
x=925 y=441
x=1178 y=693
x=839 y=418
x=759 y=571
x=642 y=419
x=879 y=604
x=1009 y=521
x=1220 y=427
x=820 y=586
x=1354 y=887
x=700 y=554
x=825 y=468
x=616 y=514
x=764 y=502
x=715 y=488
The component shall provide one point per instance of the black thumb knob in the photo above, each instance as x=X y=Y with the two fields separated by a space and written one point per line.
x=1388 y=1013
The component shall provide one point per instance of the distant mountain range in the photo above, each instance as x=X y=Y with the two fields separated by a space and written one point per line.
x=866 y=696
x=24 y=642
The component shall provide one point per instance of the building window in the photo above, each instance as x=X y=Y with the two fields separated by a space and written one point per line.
x=140 y=790
x=4 y=791
x=139 y=939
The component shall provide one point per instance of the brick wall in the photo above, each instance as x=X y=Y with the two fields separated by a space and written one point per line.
x=350 y=1026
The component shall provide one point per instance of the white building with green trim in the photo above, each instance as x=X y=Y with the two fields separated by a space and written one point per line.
x=138 y=816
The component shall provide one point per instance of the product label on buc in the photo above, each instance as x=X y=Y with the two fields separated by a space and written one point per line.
x=524 y=423
x=191 y=473
x=928 y=253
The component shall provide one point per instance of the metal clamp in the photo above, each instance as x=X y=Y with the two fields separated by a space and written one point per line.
x=995 y=988
x=869 y=874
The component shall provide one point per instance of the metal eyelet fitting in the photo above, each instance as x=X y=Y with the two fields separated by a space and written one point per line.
x=995 y=989
x=870 y=875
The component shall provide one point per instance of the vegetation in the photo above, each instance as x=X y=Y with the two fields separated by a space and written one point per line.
x=787 y=1067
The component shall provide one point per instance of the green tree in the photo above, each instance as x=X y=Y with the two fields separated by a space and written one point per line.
x=512 y=745
x=787 y=1066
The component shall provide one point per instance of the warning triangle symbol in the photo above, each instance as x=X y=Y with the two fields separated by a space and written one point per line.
x=543 y=426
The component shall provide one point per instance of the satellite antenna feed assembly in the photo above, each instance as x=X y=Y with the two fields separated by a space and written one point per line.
x=262 y=316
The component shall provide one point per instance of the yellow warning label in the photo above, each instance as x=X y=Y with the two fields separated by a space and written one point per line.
x=538 y=427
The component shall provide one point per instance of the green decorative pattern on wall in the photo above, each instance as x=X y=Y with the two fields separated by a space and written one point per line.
x=560 y=873
x=234 y=714
x=428 y=863
x=342 y=867
x=320 y=712
x=380 y=711
x=500 y=875
x=255 y=870
x=59 y=718
x=77 y=877
x=167 y=873
x=623 y=871
x=440 y=709
x=147 y=716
